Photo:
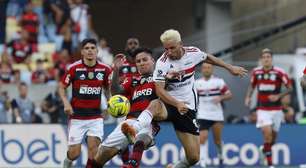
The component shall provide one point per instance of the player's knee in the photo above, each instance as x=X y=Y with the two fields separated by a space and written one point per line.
x=146 y=139
x=154 y=104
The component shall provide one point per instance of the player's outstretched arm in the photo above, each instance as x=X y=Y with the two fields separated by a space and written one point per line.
x=235 y=70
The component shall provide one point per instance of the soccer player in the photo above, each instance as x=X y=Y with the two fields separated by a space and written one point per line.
x=142 y=91
x=174 y=84
x=87 y=77
x=128 y=68
x=268 y=80
x=211 y=91
x=303 y=80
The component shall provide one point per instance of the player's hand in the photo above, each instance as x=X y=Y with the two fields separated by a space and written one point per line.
x=68 y=109
x=182 y=107
x=238 y=71
x=247 y=101
x=217 y=99
x=118 y=61
x=173 y=75
x=274 y=98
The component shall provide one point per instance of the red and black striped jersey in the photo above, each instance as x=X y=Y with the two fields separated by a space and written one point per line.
x=87 y=84
x=269 y=83
x=141 y=89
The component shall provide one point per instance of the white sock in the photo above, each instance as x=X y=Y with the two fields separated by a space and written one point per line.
x=182 y=164
x=144 y=120
x=67 y=163
x=203 y=154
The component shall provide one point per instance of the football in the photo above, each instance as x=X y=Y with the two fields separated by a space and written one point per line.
x=118 y=106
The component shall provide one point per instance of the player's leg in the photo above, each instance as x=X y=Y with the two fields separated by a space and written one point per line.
x=76 y=132
x=204 y=128
x=156 y=110
x=191 y=145
x=277 y=121
x=142 y=142
x=73 y=153
x=103 y=155
x=92 y=144
x=264 y=122
x=217 y=133
x=94 y=138
x=113 y=144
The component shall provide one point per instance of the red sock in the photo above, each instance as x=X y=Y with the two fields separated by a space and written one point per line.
x=95 y=164
x=125 y=155
x=89 y=163
x=268 y=152
x=137 y=153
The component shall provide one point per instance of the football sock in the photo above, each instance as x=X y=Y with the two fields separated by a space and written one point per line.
x=67 y=163
x=136 y=154
x=89 y=163
x=268 y=153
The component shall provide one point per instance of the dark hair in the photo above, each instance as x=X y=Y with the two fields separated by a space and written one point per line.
x=140 y=50
x=267 y=50
x=23 y=84
x=88 y=40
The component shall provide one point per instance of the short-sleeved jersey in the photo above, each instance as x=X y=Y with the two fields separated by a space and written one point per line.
x=87 y=84
x=268 y=83
x=182 y=88
x=207 y=91
x=142 y=91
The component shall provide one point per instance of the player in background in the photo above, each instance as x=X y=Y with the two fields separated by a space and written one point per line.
x=303 y=80
x=268 y=80
x=174 y=83
x=211 y=91
x=87 y=77
x=128 y=68
x=142 y=90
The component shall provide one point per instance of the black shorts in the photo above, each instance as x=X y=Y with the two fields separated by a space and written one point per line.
x=184 y=123
x=206 y=124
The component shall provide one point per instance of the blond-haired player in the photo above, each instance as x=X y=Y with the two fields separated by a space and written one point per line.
x=174 y=84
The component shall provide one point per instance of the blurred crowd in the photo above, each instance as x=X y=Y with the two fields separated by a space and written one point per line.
x=42 y=38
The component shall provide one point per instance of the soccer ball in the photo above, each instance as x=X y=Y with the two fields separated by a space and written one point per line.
x=118 y=106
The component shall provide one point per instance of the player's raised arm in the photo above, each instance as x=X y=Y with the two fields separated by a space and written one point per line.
x=116 y=87
x=235 y=70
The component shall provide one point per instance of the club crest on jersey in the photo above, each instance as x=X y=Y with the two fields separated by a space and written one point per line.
x=266 y=76
x=273 y=77
x=100 y=76
x=82 y=77
x=91 y=75
x=133 y=69
x=125 y=70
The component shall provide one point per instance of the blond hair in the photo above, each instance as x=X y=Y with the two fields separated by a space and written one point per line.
x=170 y=35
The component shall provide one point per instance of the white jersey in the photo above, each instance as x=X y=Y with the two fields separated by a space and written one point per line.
x=182 y=89
x=207 y=90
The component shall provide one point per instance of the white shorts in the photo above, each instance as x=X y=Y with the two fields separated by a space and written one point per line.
x=77 y=129
x=118 y=140
x=271 y=117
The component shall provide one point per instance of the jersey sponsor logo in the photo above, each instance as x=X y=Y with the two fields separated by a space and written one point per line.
x=100 y=76
x=89 y=90
x=144 y=92
x=266 y=87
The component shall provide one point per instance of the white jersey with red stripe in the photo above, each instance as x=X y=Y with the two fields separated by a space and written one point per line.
x=182 y=89
x=207 y=91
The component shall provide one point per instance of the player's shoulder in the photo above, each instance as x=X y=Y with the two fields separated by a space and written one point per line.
x=103 y=65
x=279 y=70
x=257 y=69
x=191 y=49
x=163 y=58
x=75 y=64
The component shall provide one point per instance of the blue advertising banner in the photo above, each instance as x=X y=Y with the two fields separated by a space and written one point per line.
x=32 y=145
